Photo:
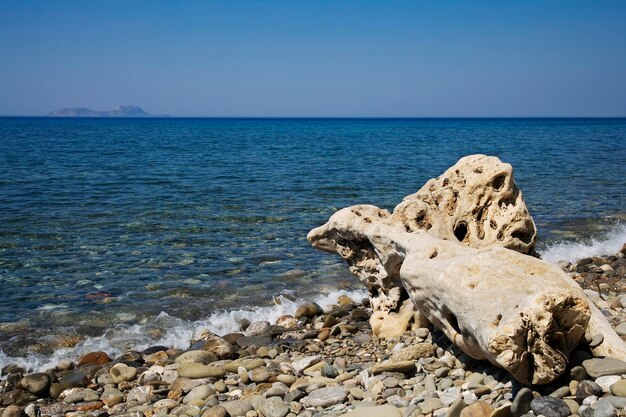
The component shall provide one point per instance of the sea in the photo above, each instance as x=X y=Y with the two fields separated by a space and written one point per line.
x=122 y=234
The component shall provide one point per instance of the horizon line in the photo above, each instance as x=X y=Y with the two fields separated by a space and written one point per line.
x=314 y=117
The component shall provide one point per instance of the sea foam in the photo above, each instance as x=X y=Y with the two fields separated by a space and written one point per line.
x=174 y=332
x=608 y=244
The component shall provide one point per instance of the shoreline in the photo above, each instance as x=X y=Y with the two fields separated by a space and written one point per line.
x=65 y=343
x=319 y=362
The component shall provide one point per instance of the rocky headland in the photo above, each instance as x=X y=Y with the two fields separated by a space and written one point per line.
x=421 y=344
x=119 y=111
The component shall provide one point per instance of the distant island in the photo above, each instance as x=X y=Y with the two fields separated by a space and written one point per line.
x=119 y=111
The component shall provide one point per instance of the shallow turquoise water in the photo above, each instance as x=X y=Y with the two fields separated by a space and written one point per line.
x=111 y=221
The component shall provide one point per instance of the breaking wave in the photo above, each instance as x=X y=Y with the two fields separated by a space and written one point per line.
x=609 y=244
x=175 y=332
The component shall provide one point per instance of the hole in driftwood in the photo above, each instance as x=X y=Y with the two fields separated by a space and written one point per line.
x=525 y=237
x=498 y=182
x=460 y=231
x=454 y=323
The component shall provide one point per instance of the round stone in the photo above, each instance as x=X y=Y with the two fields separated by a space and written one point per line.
x=619 y=388
x=430 y=404
x=329 y=371
x=111 y=396
x=585 y=411
x=357 y=393
x=325 y=397
x=198 y=370
x=597 y=367
x=478 y=409
x=94 y=358
x=561 y=392
x=36 y=383
x=596 y=340
x=121 y=372
x=286 y=379
x=275 y=407
x=521 y=403
x=550 y=407
x=308 y=310
x=199 y=356
x=578 y=373
x=391 y=382
x=259 y=375
x=201 y=392
x=587 y=388
x=604 y=408
x=605 y=382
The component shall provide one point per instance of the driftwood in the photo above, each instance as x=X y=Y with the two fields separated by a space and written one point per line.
x=514 y=310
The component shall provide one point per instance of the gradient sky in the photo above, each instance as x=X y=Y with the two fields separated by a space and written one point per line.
x=316 y=58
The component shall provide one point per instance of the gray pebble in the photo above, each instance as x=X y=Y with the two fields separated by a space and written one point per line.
x=521 y=403
x=561 y=392
x=549 y=407
x=604 y=408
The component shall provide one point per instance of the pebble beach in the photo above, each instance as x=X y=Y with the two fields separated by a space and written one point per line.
x=320 y=362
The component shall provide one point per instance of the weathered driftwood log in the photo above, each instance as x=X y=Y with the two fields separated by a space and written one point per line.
x=475 y=202
x=539 y=315
x=514 y=310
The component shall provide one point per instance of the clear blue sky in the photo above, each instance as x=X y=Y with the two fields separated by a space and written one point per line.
x=316 y=58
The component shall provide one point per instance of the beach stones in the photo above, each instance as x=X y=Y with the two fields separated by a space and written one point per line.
x=324 y=397
x=201 y=392
x=112 y=396
x=17 y=397
x=477 y=409
x=586 y=389
x=199 y=356
x=237 y=407
x=77 y=395
x=301 y=364
x=258 y=328
x=197 y=370
x=274 y=407
x=215 y=345
x=121 y=372
x=376 y=411
x=404 y=367
x=521 y=403
x=605 y=382
x=94 y=358
x=597 y=367
x=216 y=411
x=413 y=352
x=619 y=388
x=308 y=310
x=287 y=321
x=141 y=394
x=604 y=408
x=549 y=407
x=36 y=383
x=259 y=375
x=247 y=364
x=430 y=404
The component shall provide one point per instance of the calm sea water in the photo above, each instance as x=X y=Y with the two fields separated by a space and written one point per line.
x=106 y=223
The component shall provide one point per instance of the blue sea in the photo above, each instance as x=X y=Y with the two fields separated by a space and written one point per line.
x=118 y=233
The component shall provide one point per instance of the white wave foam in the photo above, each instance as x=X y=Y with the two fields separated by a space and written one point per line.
x=176 y=333
x=609 y=244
